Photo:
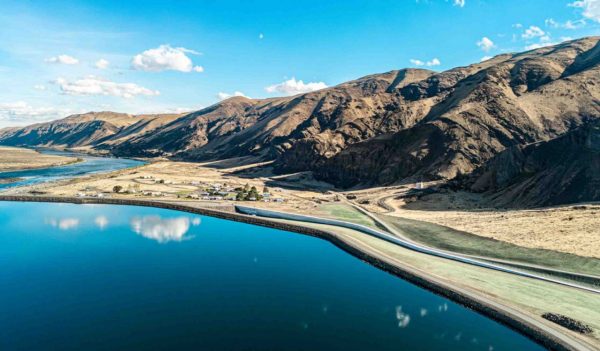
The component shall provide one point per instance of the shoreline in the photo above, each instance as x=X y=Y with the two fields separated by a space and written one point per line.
x=32 y=168
x=68 y=160
x=516 y=320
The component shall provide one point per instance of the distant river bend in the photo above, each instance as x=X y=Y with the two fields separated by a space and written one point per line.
x=88 y=165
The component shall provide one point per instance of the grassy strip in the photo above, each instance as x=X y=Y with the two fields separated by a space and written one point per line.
x=345 y=213
x=446 y=238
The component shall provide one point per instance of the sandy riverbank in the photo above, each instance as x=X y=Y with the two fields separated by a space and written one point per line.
x=17 y=159
x=512 y=300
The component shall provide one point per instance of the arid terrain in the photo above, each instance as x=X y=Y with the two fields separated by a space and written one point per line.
x=388 y=128
x=15 y=159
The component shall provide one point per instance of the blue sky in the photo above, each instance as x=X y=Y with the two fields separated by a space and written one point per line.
x=58 y=57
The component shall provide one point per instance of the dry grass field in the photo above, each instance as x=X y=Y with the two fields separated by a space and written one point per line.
x=14 y=159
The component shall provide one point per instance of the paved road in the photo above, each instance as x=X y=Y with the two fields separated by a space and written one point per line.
x=411 y=245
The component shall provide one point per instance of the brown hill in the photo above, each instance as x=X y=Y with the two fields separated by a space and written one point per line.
x=93 y=129
x=559 y=171
x=378 y=129
x=478 y=112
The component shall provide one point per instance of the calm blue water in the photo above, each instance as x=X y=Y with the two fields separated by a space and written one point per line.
x=90 y=165
x=98 y=277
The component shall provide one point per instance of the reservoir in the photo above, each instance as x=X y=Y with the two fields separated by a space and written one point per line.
x=107 y=277
x=89 y=165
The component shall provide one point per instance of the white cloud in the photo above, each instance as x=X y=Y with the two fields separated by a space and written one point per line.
x=433 y=62
x=567 y=25
x=62 y=59
x=517 y=25
x=165 y=58
x=486 y=44
x=222 y=96
x=39 y=87
x=546 y=40
x=459 y=3
x=293 y=86
x=591 y=8
x=21 y=113
x=485 y=58
x=93 y=85
x=161 y=230
x=550 y=22
x=532 y=32
x=102 y=64
x=574 y=24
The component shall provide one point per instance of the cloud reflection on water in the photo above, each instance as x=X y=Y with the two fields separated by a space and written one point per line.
x=163 y=230
x=63 y=223
x=101 y=222
x=403 y=318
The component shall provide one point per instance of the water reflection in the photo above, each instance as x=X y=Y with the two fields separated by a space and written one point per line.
x=63 y=223
x=101 y=222
x=403 y=318
x=163 y=230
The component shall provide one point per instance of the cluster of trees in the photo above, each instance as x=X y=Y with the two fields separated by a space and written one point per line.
x=131 y=189
x=249 y=193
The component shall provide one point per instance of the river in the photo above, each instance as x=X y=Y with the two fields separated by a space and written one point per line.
x=89 y=165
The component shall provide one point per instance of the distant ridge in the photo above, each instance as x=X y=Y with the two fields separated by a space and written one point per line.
x=380 y=129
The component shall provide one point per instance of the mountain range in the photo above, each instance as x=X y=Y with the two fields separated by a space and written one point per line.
x=411 y=124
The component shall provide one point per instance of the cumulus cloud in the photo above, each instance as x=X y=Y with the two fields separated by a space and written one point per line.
x=591 y=8
x=532 y=32
x=22 y=113
x=39 y=87
x=293 y=87
x=431 y=63
x=485 y=58
x=165 y=58
x=93 y=85
x=62 y=59
x=517 y=25
x=546 y=40
x=486 y=44
x=222 y=96
x=102 y=64
x=159 y=229
x=459 y=3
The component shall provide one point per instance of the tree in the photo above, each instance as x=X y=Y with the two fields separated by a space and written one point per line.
x=117 y=188
x=240 y=196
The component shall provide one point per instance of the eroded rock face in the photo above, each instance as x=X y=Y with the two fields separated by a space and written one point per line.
x=563 y=170
x=478 y=112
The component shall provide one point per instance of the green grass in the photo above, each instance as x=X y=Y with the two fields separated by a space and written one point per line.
x=466 y=243
x=344 y=213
